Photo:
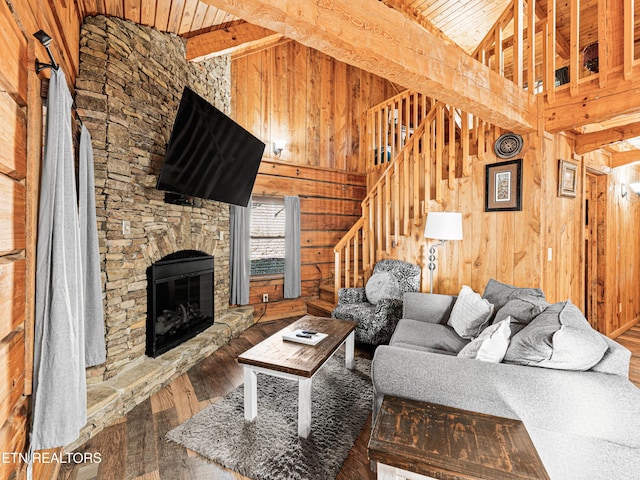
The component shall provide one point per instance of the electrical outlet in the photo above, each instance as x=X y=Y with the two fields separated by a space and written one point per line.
x=265 y=297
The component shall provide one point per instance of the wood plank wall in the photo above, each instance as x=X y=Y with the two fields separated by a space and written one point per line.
x=315 y=104
x=311 y=101
x=329 y=205
x=513 y=247
x=20 y=157
x=505 y=246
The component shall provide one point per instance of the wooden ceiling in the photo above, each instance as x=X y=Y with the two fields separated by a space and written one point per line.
x=465 y=22
x=462 y=23
x=175 y=16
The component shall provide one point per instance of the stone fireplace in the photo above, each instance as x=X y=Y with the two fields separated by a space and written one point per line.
x=128 y=89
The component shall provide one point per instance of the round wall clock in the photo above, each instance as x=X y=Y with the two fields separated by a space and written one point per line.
x=508 y=145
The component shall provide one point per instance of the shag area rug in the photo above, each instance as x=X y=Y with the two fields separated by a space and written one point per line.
x=269 y=447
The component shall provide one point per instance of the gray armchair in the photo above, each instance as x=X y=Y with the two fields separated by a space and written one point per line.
x=378 y=307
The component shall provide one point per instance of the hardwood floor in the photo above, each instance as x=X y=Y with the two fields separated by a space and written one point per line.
x=134 y=448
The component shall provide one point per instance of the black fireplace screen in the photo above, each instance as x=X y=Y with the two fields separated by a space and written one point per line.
x=180 y=299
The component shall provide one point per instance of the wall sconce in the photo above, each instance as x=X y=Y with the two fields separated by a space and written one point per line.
x=441 y=226
x=278 y=146
x=45 y=40
x=634 y=187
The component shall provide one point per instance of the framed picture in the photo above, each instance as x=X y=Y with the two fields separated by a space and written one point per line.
x=503 y=191
x=567 y=178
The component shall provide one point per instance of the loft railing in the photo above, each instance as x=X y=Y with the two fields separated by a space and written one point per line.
x=528 y=46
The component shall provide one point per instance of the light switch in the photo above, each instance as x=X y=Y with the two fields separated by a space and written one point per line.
x=126 y=227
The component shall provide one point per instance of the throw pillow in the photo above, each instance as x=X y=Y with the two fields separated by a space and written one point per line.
x=382 y=285
x=521 y=310
x=500 y=293
x=560 y=338
x=470 y=314
x=491 y=344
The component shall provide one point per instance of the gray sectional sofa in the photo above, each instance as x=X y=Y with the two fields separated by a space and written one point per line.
x=585 y=424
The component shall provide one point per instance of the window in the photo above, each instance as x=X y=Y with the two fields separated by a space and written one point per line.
x=267 y=236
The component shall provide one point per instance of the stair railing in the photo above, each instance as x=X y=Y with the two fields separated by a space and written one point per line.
x=439 y=150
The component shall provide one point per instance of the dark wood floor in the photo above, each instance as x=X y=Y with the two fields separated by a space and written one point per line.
x=135 y=449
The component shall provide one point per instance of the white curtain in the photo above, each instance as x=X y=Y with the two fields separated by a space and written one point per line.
x=95 y=350
x=292 y=280
x=240 y=253
x=59 y=390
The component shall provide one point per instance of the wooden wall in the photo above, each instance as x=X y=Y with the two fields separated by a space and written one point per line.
x=544 y=244
x=20 y=156
x=315 y=104
x=329 y=206
x=505 y=246
x=309 y=100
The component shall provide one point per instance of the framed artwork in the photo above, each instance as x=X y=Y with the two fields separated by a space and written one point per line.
x=567 y=178
x=503 y=190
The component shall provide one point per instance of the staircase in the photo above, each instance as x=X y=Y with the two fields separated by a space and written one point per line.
x=416 y=147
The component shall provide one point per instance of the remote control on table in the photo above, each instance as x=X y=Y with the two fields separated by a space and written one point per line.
x=303 y=335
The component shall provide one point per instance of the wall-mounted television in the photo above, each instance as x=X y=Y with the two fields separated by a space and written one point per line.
x=209 y=155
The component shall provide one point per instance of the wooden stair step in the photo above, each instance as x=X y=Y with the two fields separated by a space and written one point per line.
x=320 y=308
x=327 y=292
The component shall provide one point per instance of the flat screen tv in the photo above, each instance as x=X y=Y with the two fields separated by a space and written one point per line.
x=209 y=155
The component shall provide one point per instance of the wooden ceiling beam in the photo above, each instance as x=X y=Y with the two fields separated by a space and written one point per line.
x=588 y=142
x=620 y=159
x=369 y=35
x=227 y=38
x=594 y=104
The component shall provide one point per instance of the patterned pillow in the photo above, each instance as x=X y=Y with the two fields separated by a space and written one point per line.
x=491 y=345
x=470 y=314
x=382 y=285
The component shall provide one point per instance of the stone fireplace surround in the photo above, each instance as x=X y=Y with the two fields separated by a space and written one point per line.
x=128 y=89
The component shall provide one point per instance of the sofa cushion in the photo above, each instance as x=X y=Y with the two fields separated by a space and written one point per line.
x=560 y=338
x=521 y=310
x=500 y=293
x=432 y=336
x=382 y=285
x=470 y=314
x=428 y=307
x=491 y=344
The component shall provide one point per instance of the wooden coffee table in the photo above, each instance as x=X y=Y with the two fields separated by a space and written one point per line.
x=417 y=441
x=295 y=361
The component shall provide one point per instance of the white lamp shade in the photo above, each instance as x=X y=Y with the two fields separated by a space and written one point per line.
x=444 y=226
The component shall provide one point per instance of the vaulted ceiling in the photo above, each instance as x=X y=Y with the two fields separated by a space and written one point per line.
x=462 y=23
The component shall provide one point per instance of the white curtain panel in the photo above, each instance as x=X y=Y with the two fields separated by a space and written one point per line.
x=95 y=350
x=59 y=390
x=240 y=253
x=292 y=275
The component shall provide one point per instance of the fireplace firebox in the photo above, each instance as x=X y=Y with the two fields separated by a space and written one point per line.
x=180 y=299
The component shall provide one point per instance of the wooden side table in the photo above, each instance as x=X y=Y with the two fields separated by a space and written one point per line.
x=418 y=441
